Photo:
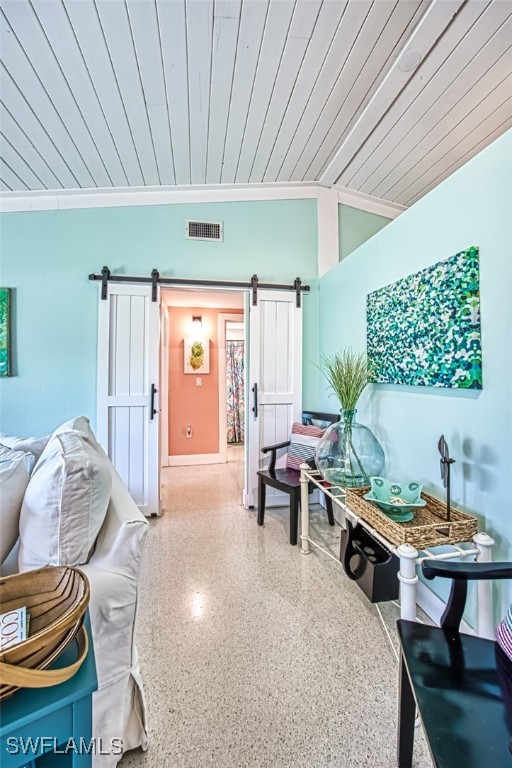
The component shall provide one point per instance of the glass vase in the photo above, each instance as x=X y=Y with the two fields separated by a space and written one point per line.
x=349 y=453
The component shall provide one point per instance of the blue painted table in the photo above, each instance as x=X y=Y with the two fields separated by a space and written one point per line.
x=59 y=714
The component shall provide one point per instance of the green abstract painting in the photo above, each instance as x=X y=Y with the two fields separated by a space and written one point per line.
x=424 y=330
x=5 y=331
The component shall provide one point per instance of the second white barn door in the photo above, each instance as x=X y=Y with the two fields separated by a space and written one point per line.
x=274 y=399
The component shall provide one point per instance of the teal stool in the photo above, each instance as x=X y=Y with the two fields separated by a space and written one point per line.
x=46 y=719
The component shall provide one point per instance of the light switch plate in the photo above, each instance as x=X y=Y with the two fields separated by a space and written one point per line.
x=199 y=381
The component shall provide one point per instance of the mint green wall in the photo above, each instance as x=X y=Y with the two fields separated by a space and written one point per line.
x=472 y=207
x=311 y=392
x=46 y=257
x=356 y=227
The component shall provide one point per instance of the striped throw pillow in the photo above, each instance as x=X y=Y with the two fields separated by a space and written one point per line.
x=304 y=441
x=504 y=634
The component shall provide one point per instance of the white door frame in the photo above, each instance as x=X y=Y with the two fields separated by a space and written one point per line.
x=207 y=458
x=224 y=318
x=164 y=386
x=252 y=455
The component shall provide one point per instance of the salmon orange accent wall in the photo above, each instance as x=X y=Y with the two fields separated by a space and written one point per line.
x=188 y=403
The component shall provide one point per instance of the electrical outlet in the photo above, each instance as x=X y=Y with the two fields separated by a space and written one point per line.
x=188 y=431
x=199 y=381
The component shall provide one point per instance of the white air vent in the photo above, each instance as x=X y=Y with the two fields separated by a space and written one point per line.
x=204 y=230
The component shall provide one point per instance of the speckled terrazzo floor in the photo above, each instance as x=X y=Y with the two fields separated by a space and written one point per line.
x=252 y=654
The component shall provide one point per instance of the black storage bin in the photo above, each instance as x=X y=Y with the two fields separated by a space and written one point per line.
x=369 y=563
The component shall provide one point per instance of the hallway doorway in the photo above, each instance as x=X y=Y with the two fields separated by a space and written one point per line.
x=202 y=380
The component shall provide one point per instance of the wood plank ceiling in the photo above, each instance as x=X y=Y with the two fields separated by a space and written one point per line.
x=386 y=97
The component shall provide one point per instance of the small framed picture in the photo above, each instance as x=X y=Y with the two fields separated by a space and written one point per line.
x=197 y=355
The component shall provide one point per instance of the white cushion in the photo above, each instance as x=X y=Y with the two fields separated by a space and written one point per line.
x=15 y=469
x=33 y=445
x=10 y=565
x=82 y=426
x=65 y=503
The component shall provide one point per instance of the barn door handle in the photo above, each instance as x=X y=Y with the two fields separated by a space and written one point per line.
x=255 y=406
x=152 y=410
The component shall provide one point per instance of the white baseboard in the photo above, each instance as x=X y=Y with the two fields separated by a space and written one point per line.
x=277 y=500
x=283 y=499
x=434 y=607
x=195 y=458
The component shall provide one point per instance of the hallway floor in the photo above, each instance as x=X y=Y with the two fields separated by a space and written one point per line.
x=254 y=656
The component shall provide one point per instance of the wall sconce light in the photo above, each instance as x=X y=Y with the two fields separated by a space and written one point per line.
x=197 y=322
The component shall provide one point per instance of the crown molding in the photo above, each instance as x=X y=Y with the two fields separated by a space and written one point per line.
x=66 y=199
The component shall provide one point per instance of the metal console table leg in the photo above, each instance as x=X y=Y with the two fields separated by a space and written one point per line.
x=408 y=581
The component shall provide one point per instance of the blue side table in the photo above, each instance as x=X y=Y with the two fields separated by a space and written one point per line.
x=59 y=714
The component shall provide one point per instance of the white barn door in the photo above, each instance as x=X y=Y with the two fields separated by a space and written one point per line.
x=128 y=380
x=275 y=369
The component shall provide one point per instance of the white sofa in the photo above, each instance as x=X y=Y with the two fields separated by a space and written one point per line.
x=113 y=571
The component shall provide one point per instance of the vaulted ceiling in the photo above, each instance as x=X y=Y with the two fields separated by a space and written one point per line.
x=386 y=97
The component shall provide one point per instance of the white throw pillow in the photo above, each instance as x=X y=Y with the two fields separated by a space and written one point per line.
x=65 y=503
x=15 y=469
x=33 y=445
x=82 y=426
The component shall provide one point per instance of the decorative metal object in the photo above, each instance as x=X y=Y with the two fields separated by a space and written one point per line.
x=446 y=462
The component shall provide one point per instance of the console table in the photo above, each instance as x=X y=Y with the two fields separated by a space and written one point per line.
x=410 y=558
x=46 y=718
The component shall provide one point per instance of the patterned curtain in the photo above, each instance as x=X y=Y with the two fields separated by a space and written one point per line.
x=235 y=390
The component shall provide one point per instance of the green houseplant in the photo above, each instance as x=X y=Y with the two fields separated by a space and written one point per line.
x=349 y=453
x=347 y=373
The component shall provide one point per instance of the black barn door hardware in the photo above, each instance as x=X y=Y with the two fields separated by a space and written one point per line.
x=155 y=279
x=105 y=277
x=254 y=286
x=255 y=406
x=152 y=409
x=154 y=283
x=297 y=285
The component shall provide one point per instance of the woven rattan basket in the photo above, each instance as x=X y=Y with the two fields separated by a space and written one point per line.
x=56 y=599
x=428 y=528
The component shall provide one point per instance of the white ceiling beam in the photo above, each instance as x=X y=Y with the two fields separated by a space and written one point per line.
x=328 y=230
x=433 y=23
x=368 y=203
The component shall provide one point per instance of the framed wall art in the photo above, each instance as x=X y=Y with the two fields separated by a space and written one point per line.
x=424 y=330
x=5 y=332
x=197 y=355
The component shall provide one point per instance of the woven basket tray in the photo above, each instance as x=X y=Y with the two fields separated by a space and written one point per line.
x=56 y=598
x=428 y=528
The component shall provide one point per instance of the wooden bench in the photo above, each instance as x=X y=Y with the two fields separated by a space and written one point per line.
x=457 y=682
